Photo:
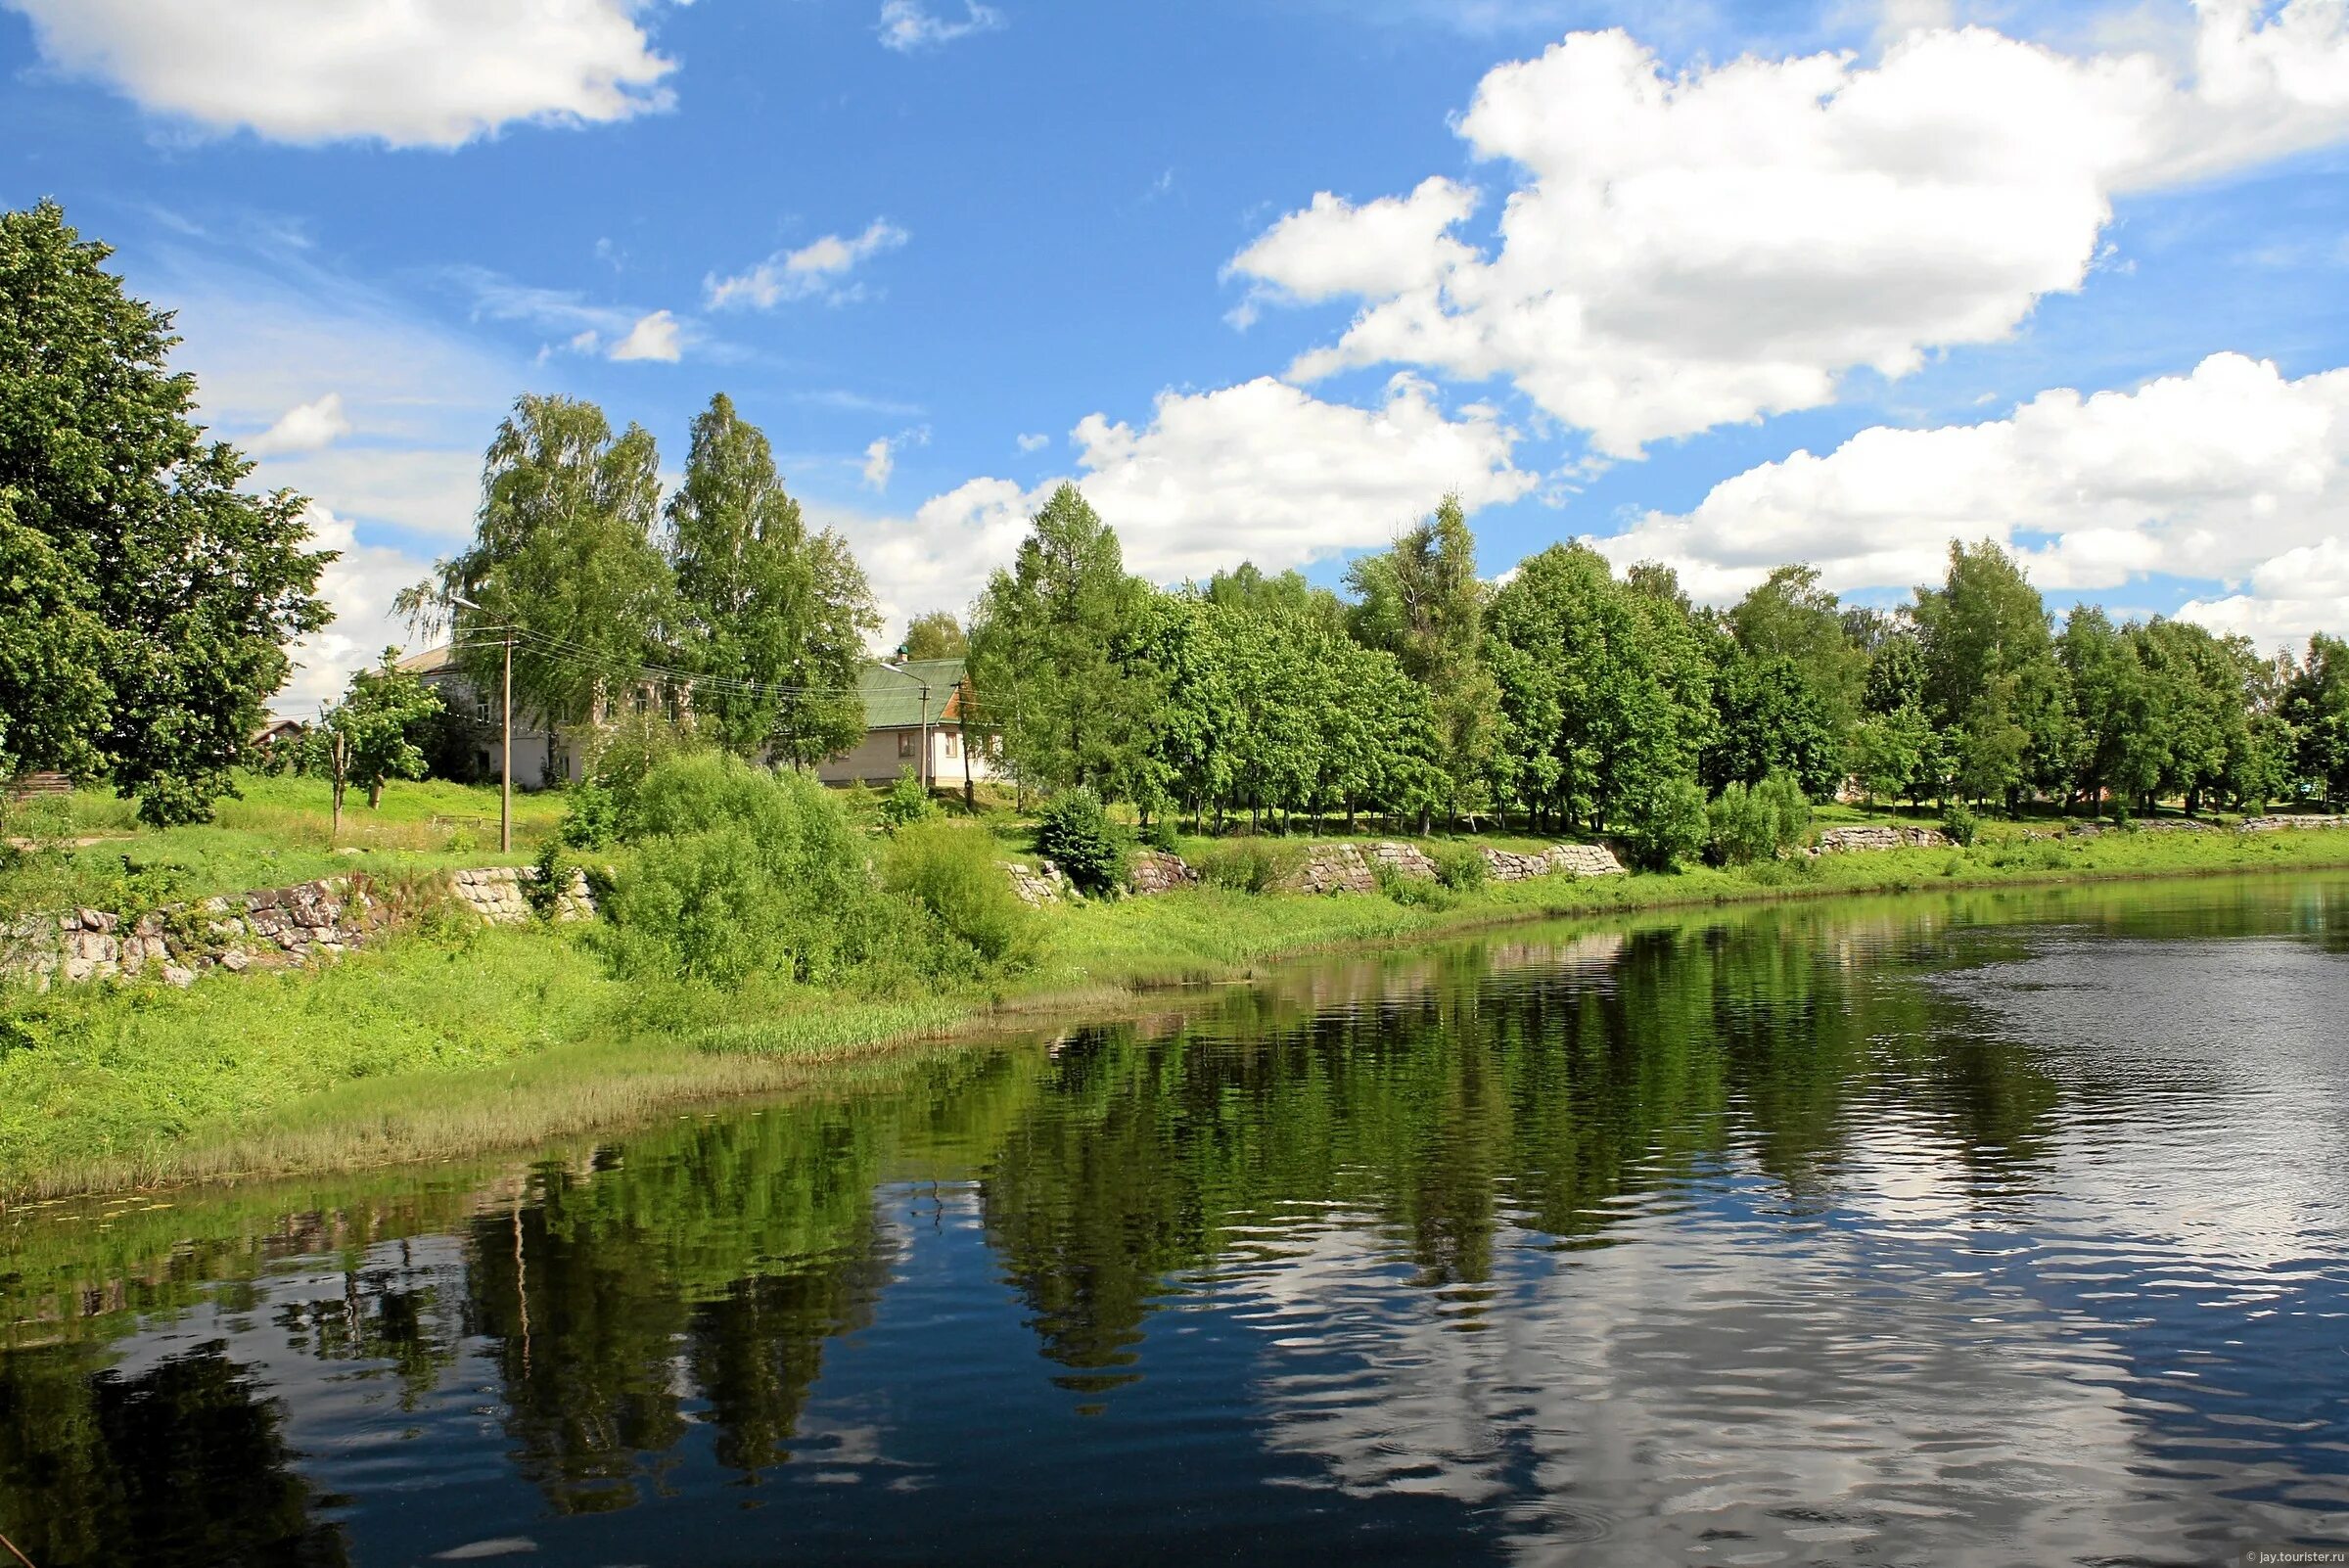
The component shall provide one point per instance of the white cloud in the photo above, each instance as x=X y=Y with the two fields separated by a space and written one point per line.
x=1034 y=442
x=1686 y=250
x=1260 y=472
x=409 y=72
x=653 y=337
x=2230 y=473
x=1268 y=473
x=359 y=586
x=879 y=462
x=815 y=268
x=304 y=427
x=906 y=27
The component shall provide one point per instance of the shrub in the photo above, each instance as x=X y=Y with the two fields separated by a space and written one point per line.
x=1244 y=865
x=1961 y=824
x=590 y=817
x=1160 y=835
x=1410 y=891
x=1074 y=833
x=1745 y=824
x=907 y=802
x=1462 y=870
x=950 y=870
x=1667 y=824
x=629 y=753
x=740 y=871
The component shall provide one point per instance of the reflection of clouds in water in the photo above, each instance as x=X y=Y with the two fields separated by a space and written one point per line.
x=1947 y=1363
x=2224 y=1080
x=1756 y=1397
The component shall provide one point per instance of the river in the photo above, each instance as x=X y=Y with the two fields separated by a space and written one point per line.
x=1997 y=1228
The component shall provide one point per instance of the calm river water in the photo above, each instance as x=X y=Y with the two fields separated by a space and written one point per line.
x=1989 y=1228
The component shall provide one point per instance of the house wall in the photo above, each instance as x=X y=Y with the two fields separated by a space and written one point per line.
x=883 y=754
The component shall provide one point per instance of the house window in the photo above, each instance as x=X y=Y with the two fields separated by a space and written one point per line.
x=480 y=709
x=904 y=743
x=954 y=744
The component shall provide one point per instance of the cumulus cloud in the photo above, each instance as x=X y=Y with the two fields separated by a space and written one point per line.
x=653 y=337
x=415 y=73
x=1034 y=443
x=812 y=270
x=1261 y=470
x=360 y=584
x=1684 y=251
x=907 y=27
x=1266 y=472
x=304 y=427
x=2230 y=473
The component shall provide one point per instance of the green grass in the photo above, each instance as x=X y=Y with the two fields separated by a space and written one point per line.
x=280 y=831
x=446 y=1042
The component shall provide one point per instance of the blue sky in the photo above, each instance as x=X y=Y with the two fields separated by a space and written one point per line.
x=1604 y=285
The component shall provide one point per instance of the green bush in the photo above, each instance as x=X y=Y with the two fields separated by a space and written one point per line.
x=629 y=750
x=951 y=870
x=907 y=802
x=1745 y=825
x=1461 y=870
x=1664 y=824
x=590 y=817
x=1244 y=865
x=1409 y=890
x=1961 y=823
x=1160 y=835
x=1074 y=833
x=740 y=871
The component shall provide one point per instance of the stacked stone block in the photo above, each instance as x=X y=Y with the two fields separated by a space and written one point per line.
x=1844 y=839
x=1570 y=859
x=1158 y=871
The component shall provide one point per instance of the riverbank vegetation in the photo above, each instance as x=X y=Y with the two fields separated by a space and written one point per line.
x=452 y=1038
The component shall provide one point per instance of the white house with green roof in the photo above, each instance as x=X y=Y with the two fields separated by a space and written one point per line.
x=914 y=714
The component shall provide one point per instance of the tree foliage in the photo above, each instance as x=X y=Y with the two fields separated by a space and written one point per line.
x=562 y=551
x=1047 y=641
x=770 y=617
x=373 y=734
x=146 y=598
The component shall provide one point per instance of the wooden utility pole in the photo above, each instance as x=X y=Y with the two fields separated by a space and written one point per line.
x=505 y=780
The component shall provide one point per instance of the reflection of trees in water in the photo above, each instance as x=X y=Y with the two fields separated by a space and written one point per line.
x=1547 y=1097
x=180 y=1464
x=739 y=1246
x=1535 y=1083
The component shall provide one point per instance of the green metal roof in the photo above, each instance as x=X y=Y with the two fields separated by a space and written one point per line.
x=893 y=694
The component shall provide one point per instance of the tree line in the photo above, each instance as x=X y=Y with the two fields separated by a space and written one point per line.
x=147 y=601
x=1570 y=697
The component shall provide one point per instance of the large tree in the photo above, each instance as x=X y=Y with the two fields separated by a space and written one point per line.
x=1421 y=601
x=1605 y=690
x=146 y=599
x=935 y=635
x=1051 y=643
x=563 y=552
x=1991 y=681
x=771 y=618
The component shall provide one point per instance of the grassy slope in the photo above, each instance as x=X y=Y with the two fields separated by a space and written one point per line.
x=434 y=1047
x=279 y=832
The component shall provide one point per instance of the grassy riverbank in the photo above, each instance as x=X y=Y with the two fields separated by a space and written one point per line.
x=454 y=1040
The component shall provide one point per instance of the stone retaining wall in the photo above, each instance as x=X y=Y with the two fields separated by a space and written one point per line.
x=1573 y=859
x=272 y=928
x=1039 y=884
x=496 y=894
x=1158 y=871
x=1847 y=839
x=2278 y=824
x=1404 y=859
x=1330 y=869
